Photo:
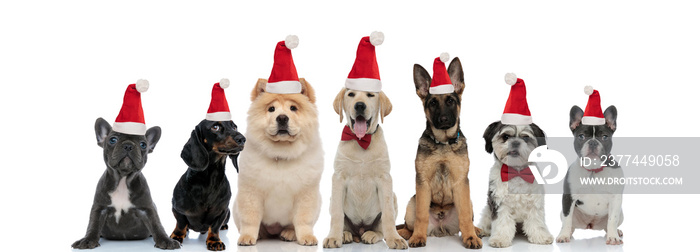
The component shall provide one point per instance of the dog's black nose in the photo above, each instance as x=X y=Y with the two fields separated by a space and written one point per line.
x=593 y=144
x=282 y=119
x=128 y=147
x=360 y=106
x=240 y=139
x=442 y=119
x=515 y=144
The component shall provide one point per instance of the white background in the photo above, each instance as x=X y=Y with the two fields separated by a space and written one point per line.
x=65 y=63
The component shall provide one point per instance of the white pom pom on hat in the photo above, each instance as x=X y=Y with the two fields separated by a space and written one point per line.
x=444 y=57
x=588 y=90
x=224 y=83
x=511 y=79
x=142 y=85
x=291 y=41
x=376 y=38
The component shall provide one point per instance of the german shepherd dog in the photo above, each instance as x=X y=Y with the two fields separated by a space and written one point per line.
x=442 y=162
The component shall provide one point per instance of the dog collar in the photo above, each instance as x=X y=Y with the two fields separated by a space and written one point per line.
x=508 y=173
x=450 y=141
x=595 y=170
x=349 y=135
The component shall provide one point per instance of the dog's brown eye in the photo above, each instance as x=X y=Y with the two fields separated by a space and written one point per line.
x=505 y=137
x=216 y=128
x=271 y=109
x=351 y=94
x=293 y=108
x=370 y=95
x=449 y=101
x=433 y=103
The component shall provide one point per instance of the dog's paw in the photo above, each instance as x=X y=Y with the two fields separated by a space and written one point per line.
x=500 y=242
x=288 y=235
x=415 y=241
x=613 y=240
x=215 y=245
x=332 y=242
x=563 y=238
x=86 y=243
x=167 y=244
x=541 y=238
x=371 y=237
x=396 y=243
x=246 y=240
x=179 y=238
x=405 y=233
x=307 y=240
x=224 y=227
x=471 y=241
x=347 y=237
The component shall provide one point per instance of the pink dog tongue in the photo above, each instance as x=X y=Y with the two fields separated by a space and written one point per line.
x=360 y=127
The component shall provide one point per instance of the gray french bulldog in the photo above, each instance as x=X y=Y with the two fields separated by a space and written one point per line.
x=123 y=208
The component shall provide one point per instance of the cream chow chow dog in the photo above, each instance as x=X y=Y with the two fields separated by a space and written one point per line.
x=280 y=169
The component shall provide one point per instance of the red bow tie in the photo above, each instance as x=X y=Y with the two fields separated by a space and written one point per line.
x=349 y=135
x=508 y=173
x=596 y=170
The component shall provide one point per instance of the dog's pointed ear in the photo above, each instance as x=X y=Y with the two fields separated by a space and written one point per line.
x=611 y=117
x=234 y=160
x=338 y=103
x=539 y=134
x=258 y=89
x=307 y=90
x=194 y=153
x=102 y=129
x=421 y=78
x=152 y=137
x=385 y=106
x=456 y=75
x=575 y=116
x=489 y=133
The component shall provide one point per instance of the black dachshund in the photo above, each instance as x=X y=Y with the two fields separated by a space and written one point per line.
x=201 y=197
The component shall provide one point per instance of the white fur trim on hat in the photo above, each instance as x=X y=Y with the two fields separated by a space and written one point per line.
x=376 y=38
x=442 y=89
x=224 y=83
x=364 y=84
x=284 y=87
x=592 y=120
x=142 y=85
x=291 y=41
x=588 y=90
x=515 y=119
x=131 y=128
x=444 y=57
x=511 y=79
x=219 y=116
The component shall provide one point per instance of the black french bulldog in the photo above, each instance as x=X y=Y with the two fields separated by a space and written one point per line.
x=202 y=196
x=122 y=208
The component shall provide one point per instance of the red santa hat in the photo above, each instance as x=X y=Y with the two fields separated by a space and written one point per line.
x=364 y=75
x=516 y=111
x=441 y=83
x=284 y=79
x=130 y=119
x=218 y=107
x=593 y=115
